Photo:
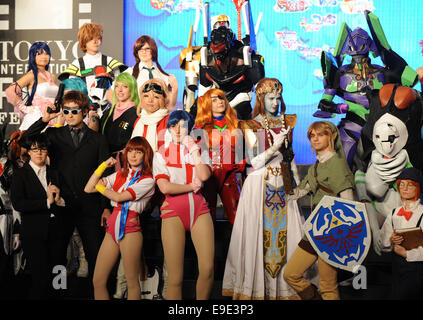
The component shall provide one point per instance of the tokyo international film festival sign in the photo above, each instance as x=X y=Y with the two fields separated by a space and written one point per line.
x=23 y=22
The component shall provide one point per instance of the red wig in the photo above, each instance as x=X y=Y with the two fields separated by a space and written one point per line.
x=15 y=148
x=141 y=144
x=414 y=183
x=204 y=111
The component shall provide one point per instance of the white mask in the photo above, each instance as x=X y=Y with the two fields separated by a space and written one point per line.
x=389 y=135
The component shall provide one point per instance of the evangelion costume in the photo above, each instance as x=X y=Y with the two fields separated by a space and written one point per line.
x=352 y=82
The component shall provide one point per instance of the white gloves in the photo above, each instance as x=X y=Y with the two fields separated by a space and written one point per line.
x=263 y=158
x=278 y=139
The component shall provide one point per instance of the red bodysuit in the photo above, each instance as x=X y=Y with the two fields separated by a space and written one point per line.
x=226 y=164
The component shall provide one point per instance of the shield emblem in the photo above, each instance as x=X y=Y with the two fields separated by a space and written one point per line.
x=338 y=229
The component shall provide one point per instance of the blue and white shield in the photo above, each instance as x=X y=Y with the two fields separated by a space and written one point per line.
x=338 y=229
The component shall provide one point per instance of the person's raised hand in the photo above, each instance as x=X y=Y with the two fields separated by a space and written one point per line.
x=49 y=116
x=111 y=162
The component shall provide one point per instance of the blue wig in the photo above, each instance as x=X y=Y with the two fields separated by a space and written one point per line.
x=36 y=48
x=77 y=84
x=178 y=115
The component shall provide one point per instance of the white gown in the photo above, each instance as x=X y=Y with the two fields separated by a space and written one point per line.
x=245 y=274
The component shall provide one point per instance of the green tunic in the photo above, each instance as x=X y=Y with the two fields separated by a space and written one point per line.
x=333 y=174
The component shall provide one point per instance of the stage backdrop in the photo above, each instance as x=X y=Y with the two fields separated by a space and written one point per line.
x=291 y=35
x=23 y=22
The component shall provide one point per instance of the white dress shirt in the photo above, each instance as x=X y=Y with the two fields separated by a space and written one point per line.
x=143 y=76
x=41 y=173
x=400 y=222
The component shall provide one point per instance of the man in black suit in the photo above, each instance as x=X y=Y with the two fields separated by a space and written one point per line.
x=35 y=192
x=76 y=151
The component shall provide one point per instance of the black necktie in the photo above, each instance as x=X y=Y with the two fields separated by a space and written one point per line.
x=75 y=136
x=150 y=72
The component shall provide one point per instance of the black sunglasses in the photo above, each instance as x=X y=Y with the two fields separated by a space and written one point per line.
x=155 y=87
x=73 y=111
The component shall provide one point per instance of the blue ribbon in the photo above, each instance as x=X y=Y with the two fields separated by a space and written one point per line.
x=125 y=207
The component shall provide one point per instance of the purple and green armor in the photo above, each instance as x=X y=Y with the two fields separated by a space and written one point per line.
x=351 y=82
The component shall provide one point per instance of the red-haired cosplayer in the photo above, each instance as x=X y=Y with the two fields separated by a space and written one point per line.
x=223 y=139
x=407 y=262
x=129 y=190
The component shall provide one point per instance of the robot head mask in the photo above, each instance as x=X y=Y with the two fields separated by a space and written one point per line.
x=390 y=135
x=103 y=81
x=220 y=20
x=358 y=43
x=221 y=40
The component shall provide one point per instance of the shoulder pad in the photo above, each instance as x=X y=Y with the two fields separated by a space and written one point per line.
x=404 y=96
x=249 y=124
x=115 y=64
x=291 y=120
x=70 y=70
x=409 y=77
x=385 y=94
